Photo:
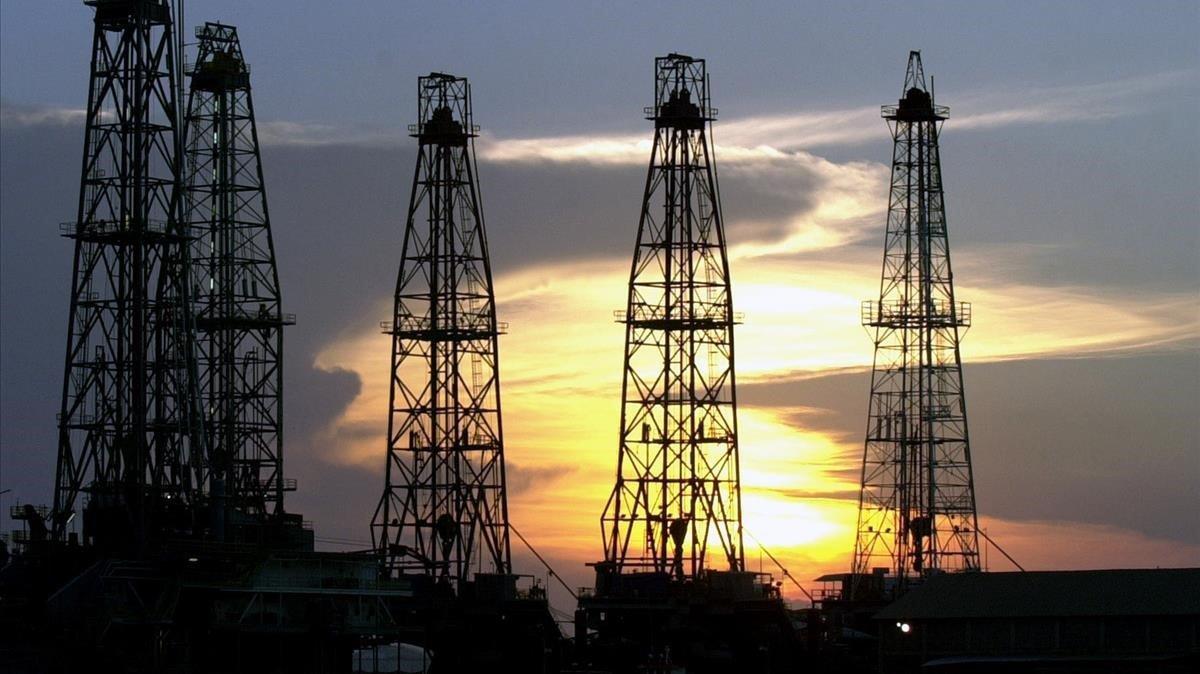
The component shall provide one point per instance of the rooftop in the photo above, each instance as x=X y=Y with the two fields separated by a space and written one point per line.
x=1109 y=592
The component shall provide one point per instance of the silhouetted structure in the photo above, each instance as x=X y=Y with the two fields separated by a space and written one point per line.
x=444 y=511
x=235 y=289
x=672 y=588
x=917 y=506
x=677 y=490
x=188 y=561
x=441 y=527
x=130 y=439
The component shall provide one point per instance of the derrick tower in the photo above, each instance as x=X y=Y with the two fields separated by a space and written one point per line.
x=917 y=504
x=676 y=505
x=444 y=511
x=130 y=441
x=234 y=282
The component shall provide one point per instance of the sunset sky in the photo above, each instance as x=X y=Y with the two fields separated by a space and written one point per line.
x=1071 y=162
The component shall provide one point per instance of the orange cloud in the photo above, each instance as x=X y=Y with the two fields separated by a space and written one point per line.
x=561 y=373
x=561 y=361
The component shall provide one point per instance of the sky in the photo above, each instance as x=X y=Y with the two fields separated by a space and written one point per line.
x=1071 y=162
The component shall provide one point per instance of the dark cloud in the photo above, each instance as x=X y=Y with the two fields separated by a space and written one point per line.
x=322 y=275
x=522 y=478
x=336 y=214
x=338 y=499
x=1098 y=440
x=39 y=188
x=1118 y=212
x=555 y=211
x=760 y=199
x=548 y=212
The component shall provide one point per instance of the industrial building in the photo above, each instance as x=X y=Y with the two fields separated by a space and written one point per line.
x=1115 y=620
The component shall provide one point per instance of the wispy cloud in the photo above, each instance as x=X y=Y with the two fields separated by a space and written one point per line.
x=970 y=111
x=21 y=115
x=1073 y=103
x=765 y=138
x=631 y=148
x=748 y=139
x=270 y=132
x=791 y=201
x=310 y=134
x=842 y=203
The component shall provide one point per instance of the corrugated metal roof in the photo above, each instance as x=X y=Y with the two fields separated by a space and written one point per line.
x=1110 y=592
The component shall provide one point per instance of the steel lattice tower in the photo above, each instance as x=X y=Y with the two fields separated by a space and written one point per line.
x=444 y=509
x=235 y=283
x=677 y=491
x=128 y=429
x=917 y=506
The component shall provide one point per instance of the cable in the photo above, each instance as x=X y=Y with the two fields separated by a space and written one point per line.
x=546 y=564
x=341 y=541
x=786 y=574
x=997 y=546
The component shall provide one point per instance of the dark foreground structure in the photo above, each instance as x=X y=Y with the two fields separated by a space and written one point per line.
x=168 y=548
x=1123 y=620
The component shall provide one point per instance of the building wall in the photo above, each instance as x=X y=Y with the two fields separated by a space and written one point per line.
x=1116 y=637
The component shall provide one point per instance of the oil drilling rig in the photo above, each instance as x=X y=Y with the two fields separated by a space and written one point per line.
x=235 y=288
x=168 y=543
x=673 y=588
x=917 y=505
x=917 y=515
x=444 y=507
x=441 y=525
x=131 y=438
